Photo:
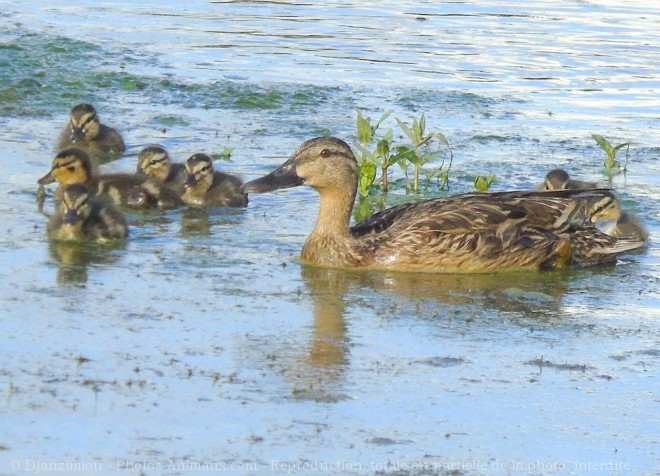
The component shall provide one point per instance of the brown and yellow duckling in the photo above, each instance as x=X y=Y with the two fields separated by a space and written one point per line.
x=205 y=187
x=82 y=216
x=155 y=162
x=476 y=232
x=86 y=132
x=73 y=165
x=619 y=223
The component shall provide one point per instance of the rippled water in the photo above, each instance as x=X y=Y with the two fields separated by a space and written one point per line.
x=202 y=344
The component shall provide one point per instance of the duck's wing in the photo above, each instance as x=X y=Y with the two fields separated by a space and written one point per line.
x=478 y=232
x=475 y=211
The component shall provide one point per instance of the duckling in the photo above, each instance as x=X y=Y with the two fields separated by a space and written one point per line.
x=629 y=226
x=206 y=188
x=558 y=179
x=82 y=216
x=474 y=232
x=613 y=220
x=74 y=165
x=154 y=161
x=86 y=132
x=152 y=194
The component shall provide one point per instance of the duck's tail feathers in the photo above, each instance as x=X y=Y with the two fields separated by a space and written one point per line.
x=591 y=246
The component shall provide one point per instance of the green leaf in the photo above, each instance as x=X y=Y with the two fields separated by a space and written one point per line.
x=224 y=154
x=406 y=130
x=383 y=148
x=620 y=146
x=482 y=184
x=380 y=121
x=602 y=142
x=364 y=129
x=367 y=177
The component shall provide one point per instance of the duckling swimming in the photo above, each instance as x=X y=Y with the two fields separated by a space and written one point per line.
x=475 y=232
x=617 y=222
x=74 y=165
x=152 y=194
x=82 y=216
x=206 y=188
x=154 y=161
x=558 y=179
x=86 y=132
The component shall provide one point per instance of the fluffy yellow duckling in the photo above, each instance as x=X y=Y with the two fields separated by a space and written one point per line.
x=616 y=222
x=86 y=132
x=81 y=216
x=205 y=187
x=475 y=232
x=155 y=162
x=74 y=165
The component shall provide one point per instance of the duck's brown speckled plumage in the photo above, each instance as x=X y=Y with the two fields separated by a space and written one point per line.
x=465 y=233
x=618 y=223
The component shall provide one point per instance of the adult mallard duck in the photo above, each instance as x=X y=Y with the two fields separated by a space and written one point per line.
x=82 y=216
x=474 y=232
x=155 y=162
x=622 y=224
x=86 y=132
x=205 y=187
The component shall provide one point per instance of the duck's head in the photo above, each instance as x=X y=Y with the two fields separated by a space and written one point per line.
x=70 y=166
x=323 y=163
x=556 y=179
x=154 y=162
x=75 y=206
x=84 y=123
x=199 y=168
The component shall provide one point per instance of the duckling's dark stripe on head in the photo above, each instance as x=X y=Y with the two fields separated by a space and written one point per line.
x=158 y=160
x=60 y=164
x=603 y=204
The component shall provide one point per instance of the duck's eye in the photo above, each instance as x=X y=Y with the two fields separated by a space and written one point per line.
x=325 y=153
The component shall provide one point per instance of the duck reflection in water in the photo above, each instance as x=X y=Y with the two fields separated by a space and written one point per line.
x=448 y=302
x=202 y=221
x=75 y=258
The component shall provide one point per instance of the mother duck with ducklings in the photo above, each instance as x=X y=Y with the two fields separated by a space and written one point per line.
x=473 y=232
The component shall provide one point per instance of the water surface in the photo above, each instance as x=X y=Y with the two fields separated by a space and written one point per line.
x=202 y=343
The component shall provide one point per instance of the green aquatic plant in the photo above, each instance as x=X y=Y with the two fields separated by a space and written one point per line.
x=381 y=153
x=422 y=151
x=483 y=183
x=224 y=154
x=612 y=166
x=370 y=159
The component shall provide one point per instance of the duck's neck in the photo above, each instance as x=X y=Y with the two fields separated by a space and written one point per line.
x=330 y=243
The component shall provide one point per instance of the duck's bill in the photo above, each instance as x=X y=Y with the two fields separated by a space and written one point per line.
x=77 y=135
x=46 y=179
x=70 y=217
x=283 y=177
x=191 y=181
